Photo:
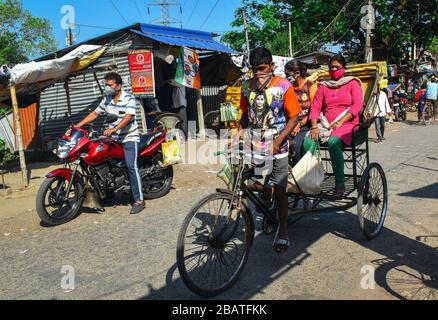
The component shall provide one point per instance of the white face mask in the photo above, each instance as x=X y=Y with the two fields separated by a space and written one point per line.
x=263 y=76
x=291 y=79
x=109 y=91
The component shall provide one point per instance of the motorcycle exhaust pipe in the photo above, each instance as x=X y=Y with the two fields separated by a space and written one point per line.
x=92 y=201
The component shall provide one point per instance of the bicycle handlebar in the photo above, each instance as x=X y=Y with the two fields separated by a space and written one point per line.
x=228 y=151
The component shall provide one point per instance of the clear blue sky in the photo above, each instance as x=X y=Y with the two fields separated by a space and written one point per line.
x=102 y=13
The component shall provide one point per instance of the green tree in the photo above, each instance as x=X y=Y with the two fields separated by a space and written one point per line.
x=317 y=23
x=22 y=36
x=433 y=47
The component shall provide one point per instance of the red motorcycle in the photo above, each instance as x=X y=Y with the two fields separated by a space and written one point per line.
x=94 y=167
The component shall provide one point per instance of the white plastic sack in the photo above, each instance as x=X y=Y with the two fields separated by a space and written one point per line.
x=308 y=173
x=33 y=72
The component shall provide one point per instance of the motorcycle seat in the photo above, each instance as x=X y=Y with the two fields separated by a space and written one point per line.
x=149 y=138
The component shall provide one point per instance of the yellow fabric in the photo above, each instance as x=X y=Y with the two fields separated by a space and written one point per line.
x=312 y=91
x=83 y=63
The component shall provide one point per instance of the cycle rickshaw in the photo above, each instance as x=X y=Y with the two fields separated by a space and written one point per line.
x=217 y=234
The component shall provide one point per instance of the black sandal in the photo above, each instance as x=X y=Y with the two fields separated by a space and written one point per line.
x=281 y=245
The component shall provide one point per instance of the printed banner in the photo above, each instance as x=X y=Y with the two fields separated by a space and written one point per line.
x=141 y=66
x=234 y=94
x=280 y=62
x=187 y=73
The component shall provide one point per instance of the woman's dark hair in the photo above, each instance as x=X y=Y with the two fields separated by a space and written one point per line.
x=295 y=65
x=115 y=77
x=260 y=56
x=339 y=58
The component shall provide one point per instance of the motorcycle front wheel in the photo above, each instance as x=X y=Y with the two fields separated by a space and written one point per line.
x=54 y=206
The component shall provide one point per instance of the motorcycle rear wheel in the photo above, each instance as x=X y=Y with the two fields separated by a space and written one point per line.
x=159 y=190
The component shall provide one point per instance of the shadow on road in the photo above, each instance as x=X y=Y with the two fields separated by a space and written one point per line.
x=418 y=167
x=264 y=266
x=428 y=192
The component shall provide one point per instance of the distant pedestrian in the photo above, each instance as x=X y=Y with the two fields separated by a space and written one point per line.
x=382 y=110
x=410 y=90
x=421 y=103
x=431 y=96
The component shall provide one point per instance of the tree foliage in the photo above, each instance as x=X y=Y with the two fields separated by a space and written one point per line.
x=317 y=24
x=433 y=47
x=22 y=36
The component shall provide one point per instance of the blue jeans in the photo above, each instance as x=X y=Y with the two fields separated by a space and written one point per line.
x=131 y=155
x=380 y=126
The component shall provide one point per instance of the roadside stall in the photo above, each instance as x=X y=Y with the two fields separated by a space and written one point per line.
x=31 y=78
x=68 y=84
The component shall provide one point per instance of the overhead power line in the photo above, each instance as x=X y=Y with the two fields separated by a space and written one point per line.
x=332 y=23
x=140 y=13
x=96 y=27
x=191 y=14
x=209 y=14
x=118 y=11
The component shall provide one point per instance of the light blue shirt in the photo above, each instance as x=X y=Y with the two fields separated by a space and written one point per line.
x=432 y=91
x=124 y=106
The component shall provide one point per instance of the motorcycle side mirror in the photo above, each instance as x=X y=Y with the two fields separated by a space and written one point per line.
x=111 y=118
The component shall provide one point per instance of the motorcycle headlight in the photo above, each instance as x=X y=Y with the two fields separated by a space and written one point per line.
x=64 y=148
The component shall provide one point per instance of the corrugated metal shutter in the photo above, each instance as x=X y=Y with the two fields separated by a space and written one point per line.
x=7 y=131
x=84 y=95
x=29 y=127
x=210 y=101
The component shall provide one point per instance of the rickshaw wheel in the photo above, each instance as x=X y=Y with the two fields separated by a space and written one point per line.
x=214 y=244
x=372 y=201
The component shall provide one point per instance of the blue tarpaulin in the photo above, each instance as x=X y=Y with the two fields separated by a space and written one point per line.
x=182 y=37
x=393 y=87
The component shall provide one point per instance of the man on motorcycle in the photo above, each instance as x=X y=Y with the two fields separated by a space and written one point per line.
x=124 y=130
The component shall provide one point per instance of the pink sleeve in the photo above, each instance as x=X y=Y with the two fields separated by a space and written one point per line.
x=316 y=106
x=356 y=98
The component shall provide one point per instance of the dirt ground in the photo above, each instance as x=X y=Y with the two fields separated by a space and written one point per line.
x=118 y=256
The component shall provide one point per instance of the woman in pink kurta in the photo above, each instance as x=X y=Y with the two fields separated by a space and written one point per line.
x=340 y=101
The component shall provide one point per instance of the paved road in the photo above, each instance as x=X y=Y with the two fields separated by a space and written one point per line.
x=117 y=256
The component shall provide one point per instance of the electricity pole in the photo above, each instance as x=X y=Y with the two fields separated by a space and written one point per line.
x=70 y=35
x=415 y=42
x=291 y=49
x=370 y=22
x=248 y=48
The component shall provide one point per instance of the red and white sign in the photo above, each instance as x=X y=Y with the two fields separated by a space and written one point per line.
x=141 y=66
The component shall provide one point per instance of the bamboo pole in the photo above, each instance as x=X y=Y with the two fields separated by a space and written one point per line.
x=200 y=110
x=19 y=136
